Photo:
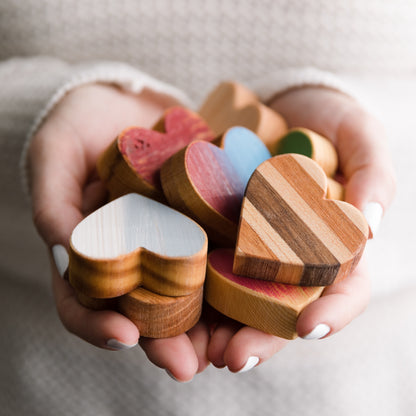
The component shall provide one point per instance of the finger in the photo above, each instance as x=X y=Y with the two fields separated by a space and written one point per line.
x=220 y=338
x=360 y=141
x=176 y=355
x=338 y=306
x=365 y=162
x=104 y=329
x=199 y=337
x=250 y=347
x=58 y=173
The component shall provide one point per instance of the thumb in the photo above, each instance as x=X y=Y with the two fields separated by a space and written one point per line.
x=57 y=175
x=365 y=162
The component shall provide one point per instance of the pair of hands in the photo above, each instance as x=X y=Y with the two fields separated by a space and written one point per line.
x=65 y=188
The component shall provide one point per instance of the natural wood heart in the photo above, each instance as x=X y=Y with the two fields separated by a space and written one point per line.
x=135 y=241
x=269 y=306
x=207 y=183
x=335 y=190
x=132 y=162
x=231 y=104
x=290 y=233
x=155 y=316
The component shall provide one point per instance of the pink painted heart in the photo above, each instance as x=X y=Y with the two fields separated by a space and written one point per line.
x=132 y=163
x=207 y=183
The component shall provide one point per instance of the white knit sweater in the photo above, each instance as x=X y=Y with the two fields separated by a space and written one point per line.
x=184 y=48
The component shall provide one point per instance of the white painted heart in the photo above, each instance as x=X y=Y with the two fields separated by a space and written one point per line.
x=135 y=241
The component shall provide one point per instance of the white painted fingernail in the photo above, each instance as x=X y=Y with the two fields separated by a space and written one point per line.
x=114 y=344
x=373 y=213
x=318 y=332
x=174 y=378
x=251 y=363
x=61 y=258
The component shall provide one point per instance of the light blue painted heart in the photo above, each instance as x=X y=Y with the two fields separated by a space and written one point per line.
x=245 y=151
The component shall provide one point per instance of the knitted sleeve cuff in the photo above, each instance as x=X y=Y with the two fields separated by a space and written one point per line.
x=281 y=81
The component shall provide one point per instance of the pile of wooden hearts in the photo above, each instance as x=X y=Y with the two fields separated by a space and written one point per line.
x=149 y=262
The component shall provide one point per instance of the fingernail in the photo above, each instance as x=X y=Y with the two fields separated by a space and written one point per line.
x=61 y=258
x=373 y=212
x=174 y=378
x=114 y=344
x=318 y=332
x=251 y=363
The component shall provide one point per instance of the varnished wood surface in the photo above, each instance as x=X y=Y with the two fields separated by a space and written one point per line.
x=290 y=233
x=269 y=306
x=135 y=241
x=231 y=104
x=155 y=316
x=335 y=190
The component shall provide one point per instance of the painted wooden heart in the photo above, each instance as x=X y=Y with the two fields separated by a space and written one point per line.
x=231 y=104
x=309 y=143
x=135 y=241
x=269 y=306
x=156 y=316
x=132 y=162
x=290 y=233
x=207 y=182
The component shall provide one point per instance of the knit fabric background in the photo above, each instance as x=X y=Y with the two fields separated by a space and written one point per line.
x=184 y=48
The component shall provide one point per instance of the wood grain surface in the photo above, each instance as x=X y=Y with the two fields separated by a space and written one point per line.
x=269 y=306
x=290 y=233
x=132 y=162
x=135 y=241
x=335 y=190
x=231 y=104
x=207 y=183
x=155 y=316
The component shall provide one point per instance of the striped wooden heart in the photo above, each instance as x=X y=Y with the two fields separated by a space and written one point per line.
x=289 y=232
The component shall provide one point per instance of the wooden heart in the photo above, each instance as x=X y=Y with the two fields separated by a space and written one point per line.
x=132 y=162
x=207 y=183
x=309 y=143
x=135 y=241
x=335 y=190
x=231 y=104
x=156 y=316
x=290 y=233
x=269 y=306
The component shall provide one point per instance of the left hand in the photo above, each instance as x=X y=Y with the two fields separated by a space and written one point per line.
x=370 y=186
